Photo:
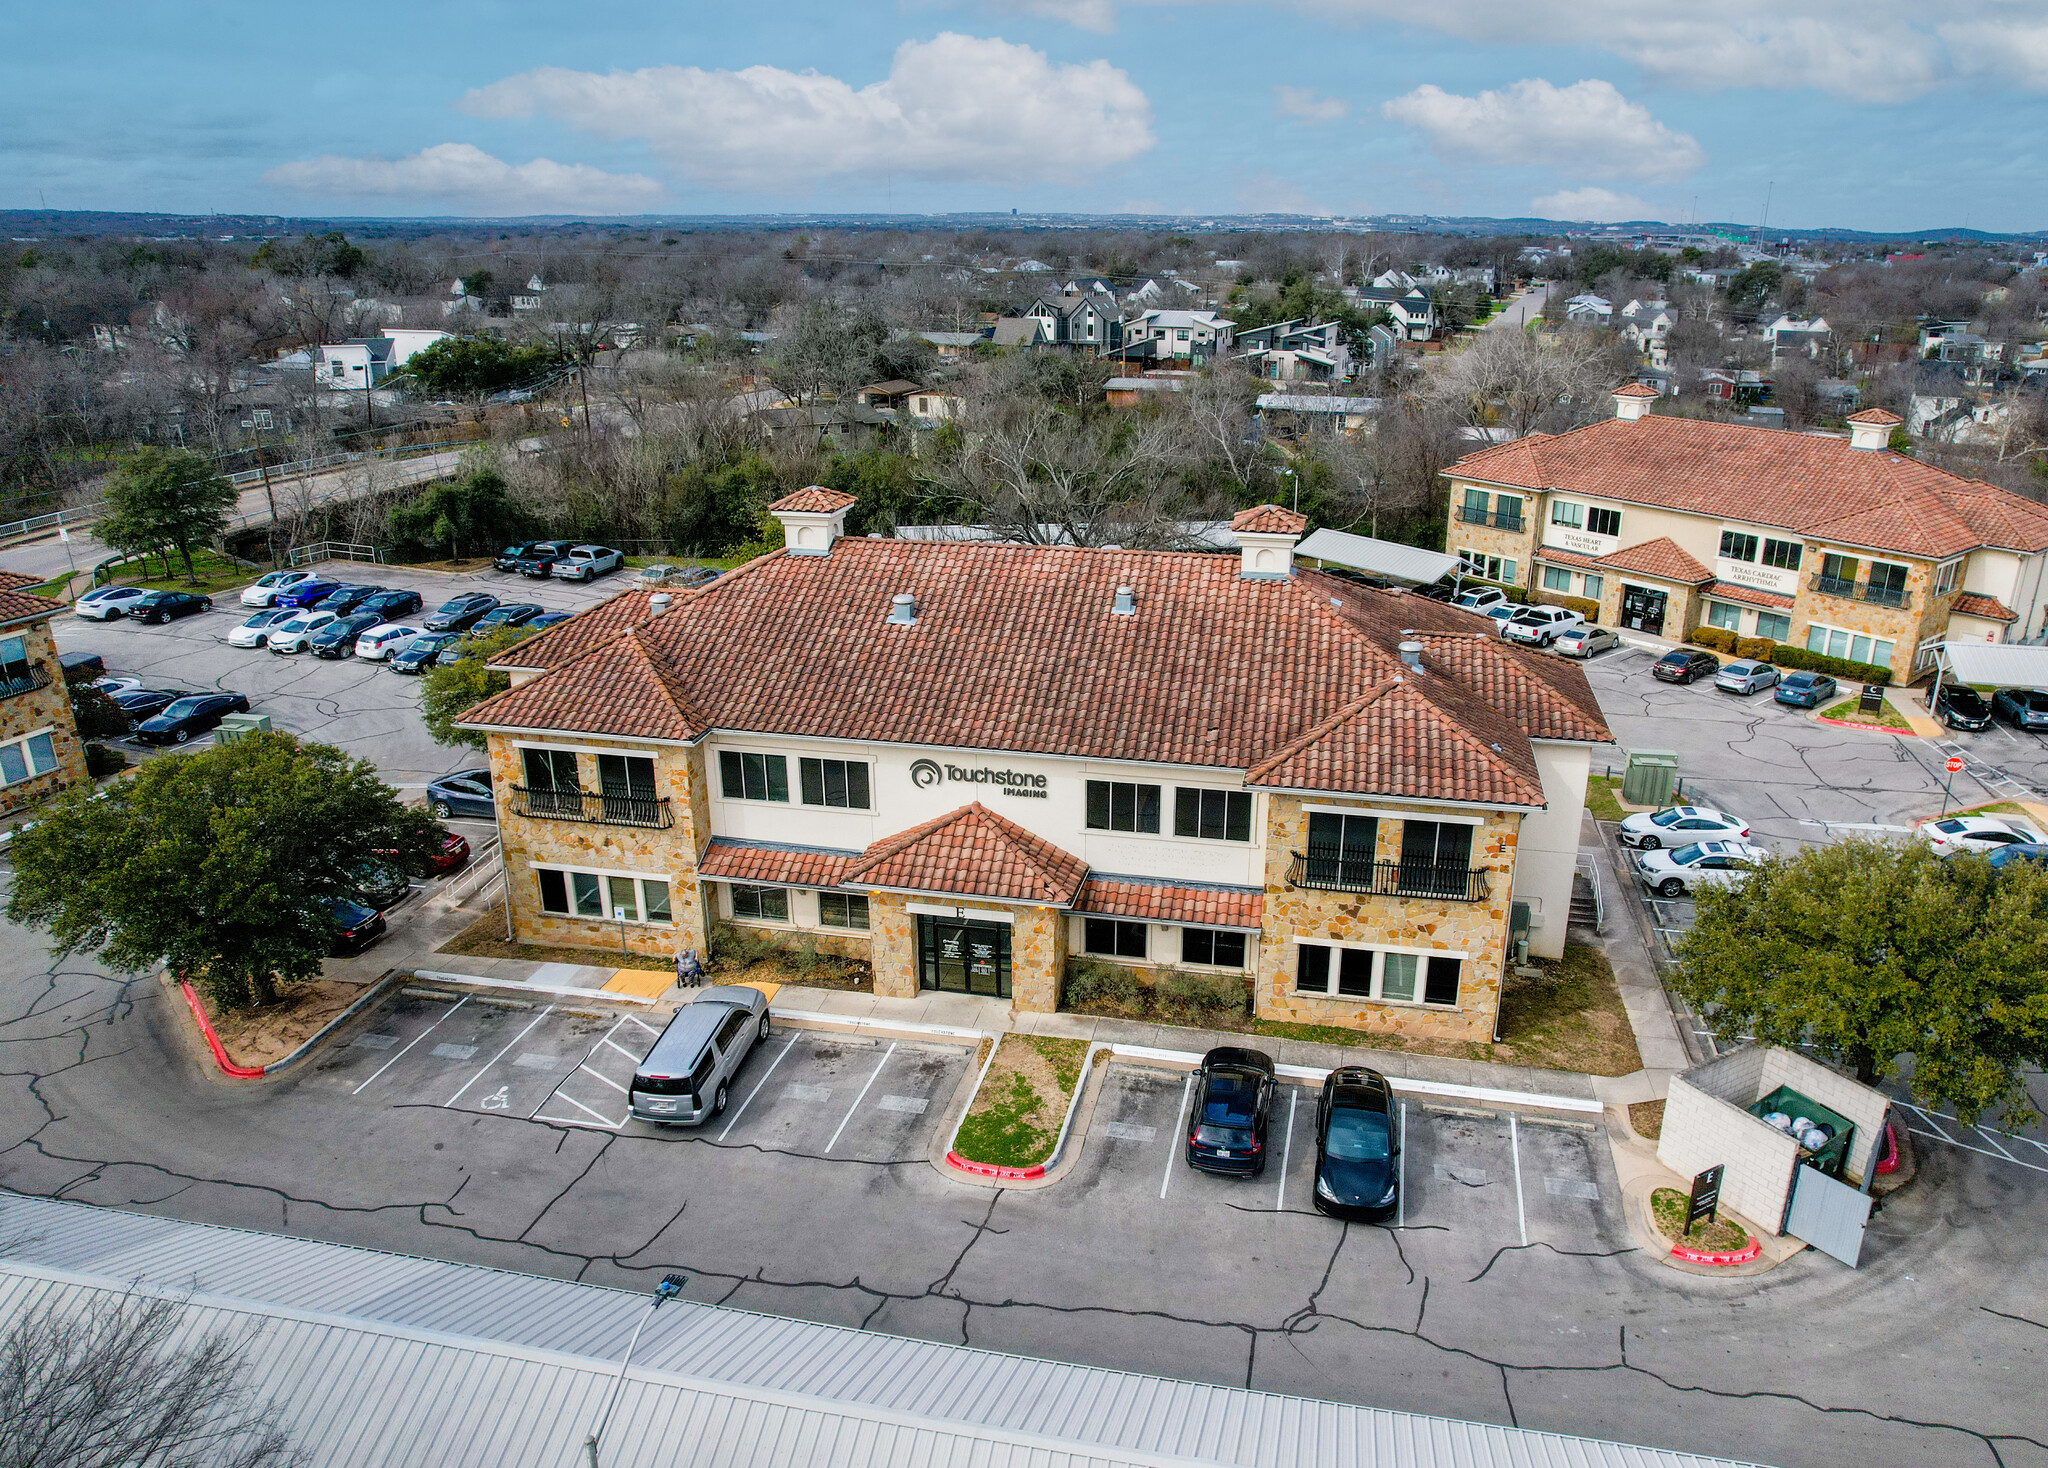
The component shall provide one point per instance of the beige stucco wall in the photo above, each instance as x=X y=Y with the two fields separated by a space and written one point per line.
x=1547 y=845
x=32 y=713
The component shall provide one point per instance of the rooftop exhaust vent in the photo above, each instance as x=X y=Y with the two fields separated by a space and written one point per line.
x=1411 y=654
x=658 y=603
x=903 y=610
x=1126 y=603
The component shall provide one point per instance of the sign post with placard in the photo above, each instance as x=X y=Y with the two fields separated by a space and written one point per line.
x=1954 y=765
x=1706 y=1197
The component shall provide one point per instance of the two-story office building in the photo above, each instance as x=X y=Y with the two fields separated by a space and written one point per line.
x=1841 y=547
x=40 y=752
x=967 y=762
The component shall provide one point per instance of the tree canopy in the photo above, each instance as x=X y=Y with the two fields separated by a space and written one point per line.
x=164 y=500
x=1869 y=951
x=222 y=862
x=477 y=366
x=455 y=685
x=475 y=510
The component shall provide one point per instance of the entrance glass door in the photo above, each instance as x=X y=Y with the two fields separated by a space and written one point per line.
x=963 y=958
x=1641 y=608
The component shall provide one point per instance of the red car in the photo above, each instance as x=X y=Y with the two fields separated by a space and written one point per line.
x=453 y=853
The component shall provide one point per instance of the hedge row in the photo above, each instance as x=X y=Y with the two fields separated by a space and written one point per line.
x=1590 y=610
x=1763 y=649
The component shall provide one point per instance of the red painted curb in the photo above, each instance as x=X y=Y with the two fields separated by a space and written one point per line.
x=220 y=1055
x=1705 y=1256
x=989 y=1169
x=1866 y=728
x=1889 y=1164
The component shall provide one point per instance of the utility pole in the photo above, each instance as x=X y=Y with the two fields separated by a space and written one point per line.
x=583 y=386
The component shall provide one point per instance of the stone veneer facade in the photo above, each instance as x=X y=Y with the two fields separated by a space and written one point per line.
x=37 y=710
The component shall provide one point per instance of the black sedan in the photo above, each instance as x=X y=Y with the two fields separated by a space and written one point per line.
x=338 y=638
x=359 y=926
x=1962 y=707
x=144 y=703
x=379 y=886
x=1683 y=665
x=460 y=613
x=1233 y=1094
x=1357 y=1154
x=539 y=559
x=391 y=605
x=193 y=714
x=2023 y=708
x=159 y=607
x=423 y=652
x=346 y=598
x=511 y=614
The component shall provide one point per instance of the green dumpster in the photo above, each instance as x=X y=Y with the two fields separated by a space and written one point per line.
x=1649 y=777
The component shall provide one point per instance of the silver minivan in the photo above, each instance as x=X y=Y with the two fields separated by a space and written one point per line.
x=687 y=1076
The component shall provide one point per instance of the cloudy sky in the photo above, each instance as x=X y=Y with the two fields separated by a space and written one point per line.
x=1876 y=114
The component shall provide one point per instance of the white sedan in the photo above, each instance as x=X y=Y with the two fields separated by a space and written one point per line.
x=1679 y=825
x=105 y=603
x=1704 y=864
x=1976 y=833
x=382 y=640
x=256 y=630
x=267 y=589
x=295 y=631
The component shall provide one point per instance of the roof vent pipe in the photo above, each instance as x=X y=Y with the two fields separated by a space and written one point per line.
x=1126 y=603
x=657 y=603
x=903 y=610
x=1411 y=654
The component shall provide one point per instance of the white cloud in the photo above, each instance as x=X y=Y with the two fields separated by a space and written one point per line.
x=1302 y=102
x=1587 y=127
x=466 y=177
x=1088 y=15
x=955 y=107
x=1600 y=206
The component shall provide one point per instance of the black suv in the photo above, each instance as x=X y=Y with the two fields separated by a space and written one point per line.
x=538 y=560
x=460 y=613
x=1962 y=707
x=1233 y=1094
x=391 y=605
x=1357 y=1152
x=338 y=638
x=1682 y=665
x=508 y=559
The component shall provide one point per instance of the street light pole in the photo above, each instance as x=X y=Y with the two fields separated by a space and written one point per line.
x=670 y=1286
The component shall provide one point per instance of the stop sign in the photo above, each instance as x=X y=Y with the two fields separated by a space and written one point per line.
x=1955 y=764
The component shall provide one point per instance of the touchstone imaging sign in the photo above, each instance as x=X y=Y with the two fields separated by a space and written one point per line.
x=926 y=773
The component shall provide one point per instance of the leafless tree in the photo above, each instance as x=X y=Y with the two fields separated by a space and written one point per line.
x=121 y=1381
x=1520 y=381
x=1217 y=407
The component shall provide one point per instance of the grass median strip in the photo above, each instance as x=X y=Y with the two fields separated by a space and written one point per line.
x=1016 y=1115
x=1848 y=711
x=1717 y=1237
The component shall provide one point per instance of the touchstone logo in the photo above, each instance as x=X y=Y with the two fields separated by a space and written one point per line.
x=925 y=773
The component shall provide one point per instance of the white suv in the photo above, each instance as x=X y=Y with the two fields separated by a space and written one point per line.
x=1540 y=626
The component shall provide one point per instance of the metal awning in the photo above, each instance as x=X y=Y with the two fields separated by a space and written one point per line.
x=1386 y=558
x=1989 y=664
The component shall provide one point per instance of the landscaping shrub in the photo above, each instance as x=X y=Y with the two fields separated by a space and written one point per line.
x=737 y=946
x=1756 y=649
x=1787 y=656
x=1181 y=993
x=1718 y=638
x=1590 y=610
x=101 y=761
x=1092 y=983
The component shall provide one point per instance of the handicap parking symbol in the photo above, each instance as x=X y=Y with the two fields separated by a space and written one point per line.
x=498 y=1100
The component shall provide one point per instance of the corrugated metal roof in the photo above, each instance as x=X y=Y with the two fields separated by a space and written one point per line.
x=1386 y=558
x=379 y=1359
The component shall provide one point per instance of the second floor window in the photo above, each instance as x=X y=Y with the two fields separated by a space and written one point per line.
x=549 y=769
x=1213 y=815
x=1837 y=573
x=1887 y=581
x=1782 y=554
x=1564 y=512
x=1342 y=847
x=1114 y=805
x=1603 y=522
x=835 y=782
x=1443 y=845
x=16 y=671
x=1736 y=546
x=753 y=776
x=1946 y=576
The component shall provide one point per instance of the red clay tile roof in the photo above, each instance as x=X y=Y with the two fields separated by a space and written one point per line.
x=1876 y=415
x=17 y=605
x=1172 y=902
x=1750 y=595
x=1394 y=741
x=971 y=852
x=1818 y=487
x=1542 y=697
x=772 y=863
x=1636 y=390
x=1566 y=558
x=1016 y=649
x=1976 y=604
x=816 y=499
x=1268 y=520
x=1660 y=558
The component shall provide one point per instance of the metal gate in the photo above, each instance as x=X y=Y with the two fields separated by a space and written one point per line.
x=1827 y=1214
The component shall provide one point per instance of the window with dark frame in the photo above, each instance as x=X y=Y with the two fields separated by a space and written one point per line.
x=1342 y=848
x=1603 y=522
x=1214 y=947
x=1783 y=555
x=1117 y=805
x=1213 y=815
x=1113 y=938
x=1348 y=973
x=1736 y=546
x=753 y=776
x=762 y=904
x=839 y=783
x=843 y=910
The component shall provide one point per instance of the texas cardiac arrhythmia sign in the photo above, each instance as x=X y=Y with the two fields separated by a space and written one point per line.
x=926 y=773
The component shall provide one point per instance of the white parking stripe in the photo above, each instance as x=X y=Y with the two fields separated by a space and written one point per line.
x=606 y=1121
x=877 y=1075
x=1992 y=1137
x=735 y=1120
x=1515 y=1146
x=600 y=1075
x=643 y=1025
x=1173 y=1143
x=579 y=1066
x=1978 y=1150
x=500 y=1055
x=410 y=1043
x=1286 y=1143
x=1401 y=1175
x=1929 y=1120
x=607 y=1040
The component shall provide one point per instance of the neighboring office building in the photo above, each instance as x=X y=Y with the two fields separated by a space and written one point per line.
x=1843 y=548
x=965 y=762
x=40 y=752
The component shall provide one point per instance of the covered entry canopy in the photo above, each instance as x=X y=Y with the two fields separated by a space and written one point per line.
x=1386 y=558
x=1991 y=664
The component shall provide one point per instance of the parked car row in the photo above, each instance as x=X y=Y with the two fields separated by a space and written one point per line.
x=330 y=620
x=105 y=603
x=562 y=559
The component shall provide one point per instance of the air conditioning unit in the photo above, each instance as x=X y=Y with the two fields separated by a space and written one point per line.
x=236 y=726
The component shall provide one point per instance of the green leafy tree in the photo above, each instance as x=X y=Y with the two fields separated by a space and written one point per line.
x=1869 y=951
x=473 y=510
x=451 y=688
x=96 y=715
x=477 y=366
x=165 y=500
x=222 y=862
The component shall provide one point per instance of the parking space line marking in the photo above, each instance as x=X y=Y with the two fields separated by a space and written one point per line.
x=500 y=1055
x=1515 y=1146
x=1187 y=1090
x=579 y=1066
x=1978 y=1150
x=758 y=1085
x=1989 y=1131
x=1401 y=1175
x=643 y=1025
x=1992 y=1137
x=1286 y=1145
x=1929 y=1120
x=636 y=1059
x=877 y=1075
x=608 y=1122
x=410 y=1043
x=600 y=1075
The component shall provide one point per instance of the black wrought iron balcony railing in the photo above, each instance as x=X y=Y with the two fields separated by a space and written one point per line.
x=18 y=680
x=597 y=809
x=1850 y=589
x=1498 y=519
x=1389 y=878
x=1844 y=586
x=1884 y=596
